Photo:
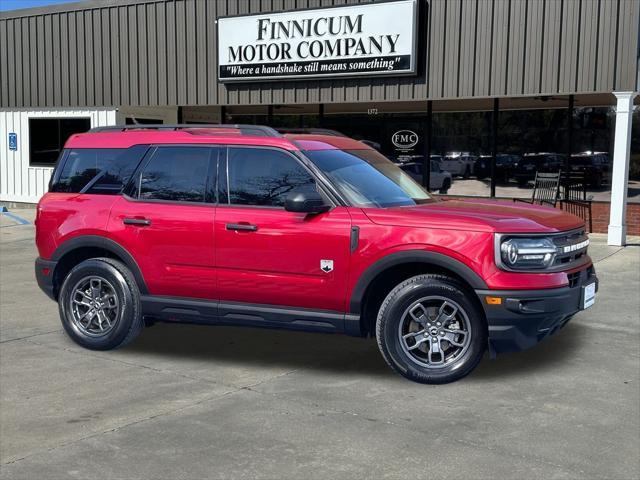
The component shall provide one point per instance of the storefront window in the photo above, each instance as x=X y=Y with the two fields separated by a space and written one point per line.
x=251 y=115
x=528 y=141
x=462 y=147
x=47 y=137
x=531 y=141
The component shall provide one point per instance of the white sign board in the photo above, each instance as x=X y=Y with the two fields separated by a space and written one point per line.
x=356 y=40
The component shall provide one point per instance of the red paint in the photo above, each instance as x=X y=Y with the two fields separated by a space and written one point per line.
x=280 y=262
x=187 y=251
x=599 y=213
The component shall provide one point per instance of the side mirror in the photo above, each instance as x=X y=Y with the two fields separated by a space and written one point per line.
x=306 y=202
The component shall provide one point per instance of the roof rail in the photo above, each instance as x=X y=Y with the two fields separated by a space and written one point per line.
x=248 y=130
x=312 y=131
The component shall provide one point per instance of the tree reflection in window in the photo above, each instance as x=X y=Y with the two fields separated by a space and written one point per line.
x=101 y=171
x=177 y=174
x=264 y=177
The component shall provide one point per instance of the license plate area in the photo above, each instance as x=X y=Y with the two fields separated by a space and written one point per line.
x=588 y=295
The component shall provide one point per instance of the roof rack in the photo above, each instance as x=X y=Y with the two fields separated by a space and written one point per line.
x=312 y=131
x=248 y=130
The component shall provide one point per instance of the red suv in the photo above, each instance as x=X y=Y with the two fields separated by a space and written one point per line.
x=239 y=225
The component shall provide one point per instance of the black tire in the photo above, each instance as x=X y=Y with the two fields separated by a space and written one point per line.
x=446 y=185
x=127 y=322
x=389 y=329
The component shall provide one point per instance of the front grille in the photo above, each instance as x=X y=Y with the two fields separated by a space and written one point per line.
x=574 y=279
x=581 y=276
x=572 y=247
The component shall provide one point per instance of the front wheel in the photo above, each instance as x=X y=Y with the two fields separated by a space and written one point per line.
x=99 y=304
x=430 y=331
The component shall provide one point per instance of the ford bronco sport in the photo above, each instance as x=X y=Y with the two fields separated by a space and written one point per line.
x=240 y=225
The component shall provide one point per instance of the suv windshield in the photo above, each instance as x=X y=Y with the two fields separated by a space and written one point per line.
x=367 y=179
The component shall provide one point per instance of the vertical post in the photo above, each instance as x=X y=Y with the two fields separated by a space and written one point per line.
x=620 y=168
x=179 y=115
x=567 y=166
x=321 y=115
x=270 y=115
x=494 y=144
x=426 y=147
x=223 y=114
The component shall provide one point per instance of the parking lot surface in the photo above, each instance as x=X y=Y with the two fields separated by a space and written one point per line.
x=186 y=401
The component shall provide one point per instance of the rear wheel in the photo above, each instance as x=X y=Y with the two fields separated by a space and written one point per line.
x=430 y=331
x=99 y=304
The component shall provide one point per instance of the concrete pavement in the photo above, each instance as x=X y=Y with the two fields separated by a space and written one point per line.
x=187 y=401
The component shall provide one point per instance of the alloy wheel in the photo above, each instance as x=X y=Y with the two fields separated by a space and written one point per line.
x=94 y=306
x=434 y=332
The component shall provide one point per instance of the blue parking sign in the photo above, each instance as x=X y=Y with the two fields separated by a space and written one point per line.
x=13 y=141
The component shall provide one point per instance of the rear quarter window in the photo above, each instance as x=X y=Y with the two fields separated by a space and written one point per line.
x=97 y=170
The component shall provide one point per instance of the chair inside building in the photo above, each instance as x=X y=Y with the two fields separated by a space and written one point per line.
x=546 y=189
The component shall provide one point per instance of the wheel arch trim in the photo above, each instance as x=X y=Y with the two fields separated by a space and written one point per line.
x=104 y=243
x=408 y=257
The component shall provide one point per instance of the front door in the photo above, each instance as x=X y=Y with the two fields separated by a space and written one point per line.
x=166 y=221
x=266 y=255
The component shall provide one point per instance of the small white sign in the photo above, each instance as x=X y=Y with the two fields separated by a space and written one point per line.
x=589 y=295
x=370 y=39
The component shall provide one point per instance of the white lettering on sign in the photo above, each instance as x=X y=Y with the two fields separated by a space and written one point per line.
x=405 y=139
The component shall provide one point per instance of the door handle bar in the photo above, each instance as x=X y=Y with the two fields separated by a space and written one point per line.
x=242 y=227
x=141 y=222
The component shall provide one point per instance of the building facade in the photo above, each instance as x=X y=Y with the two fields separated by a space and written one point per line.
x=482 y=87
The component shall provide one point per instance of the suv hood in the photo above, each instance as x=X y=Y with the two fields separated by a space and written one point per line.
x=478 y=215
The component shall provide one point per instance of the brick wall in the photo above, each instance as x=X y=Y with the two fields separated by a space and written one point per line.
x=600 y=214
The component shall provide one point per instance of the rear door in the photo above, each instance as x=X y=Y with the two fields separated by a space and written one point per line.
x=266 y=255
x=165 y=220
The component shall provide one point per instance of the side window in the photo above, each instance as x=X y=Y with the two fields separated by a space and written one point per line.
x=97 y=170
x=177 y=174
x=264 y=177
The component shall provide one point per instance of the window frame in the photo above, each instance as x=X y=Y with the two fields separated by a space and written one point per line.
x=136 y=176
x=321 y=182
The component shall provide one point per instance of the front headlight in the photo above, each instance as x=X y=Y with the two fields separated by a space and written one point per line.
x=518 y=253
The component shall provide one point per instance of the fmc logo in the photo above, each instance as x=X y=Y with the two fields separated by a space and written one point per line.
x=405 y=139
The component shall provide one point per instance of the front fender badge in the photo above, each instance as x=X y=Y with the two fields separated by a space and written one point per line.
x=326 y=266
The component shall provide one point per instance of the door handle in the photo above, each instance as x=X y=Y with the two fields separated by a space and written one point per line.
x=140 y=222
x=246 y=227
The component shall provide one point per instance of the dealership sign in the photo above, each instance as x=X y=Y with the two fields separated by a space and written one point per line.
x=372 y=39
x=405 y=139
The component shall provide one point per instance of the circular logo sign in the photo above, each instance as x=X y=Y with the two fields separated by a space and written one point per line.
x=404 y=139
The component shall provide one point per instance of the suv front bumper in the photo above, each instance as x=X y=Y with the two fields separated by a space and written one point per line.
x=525 y=317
